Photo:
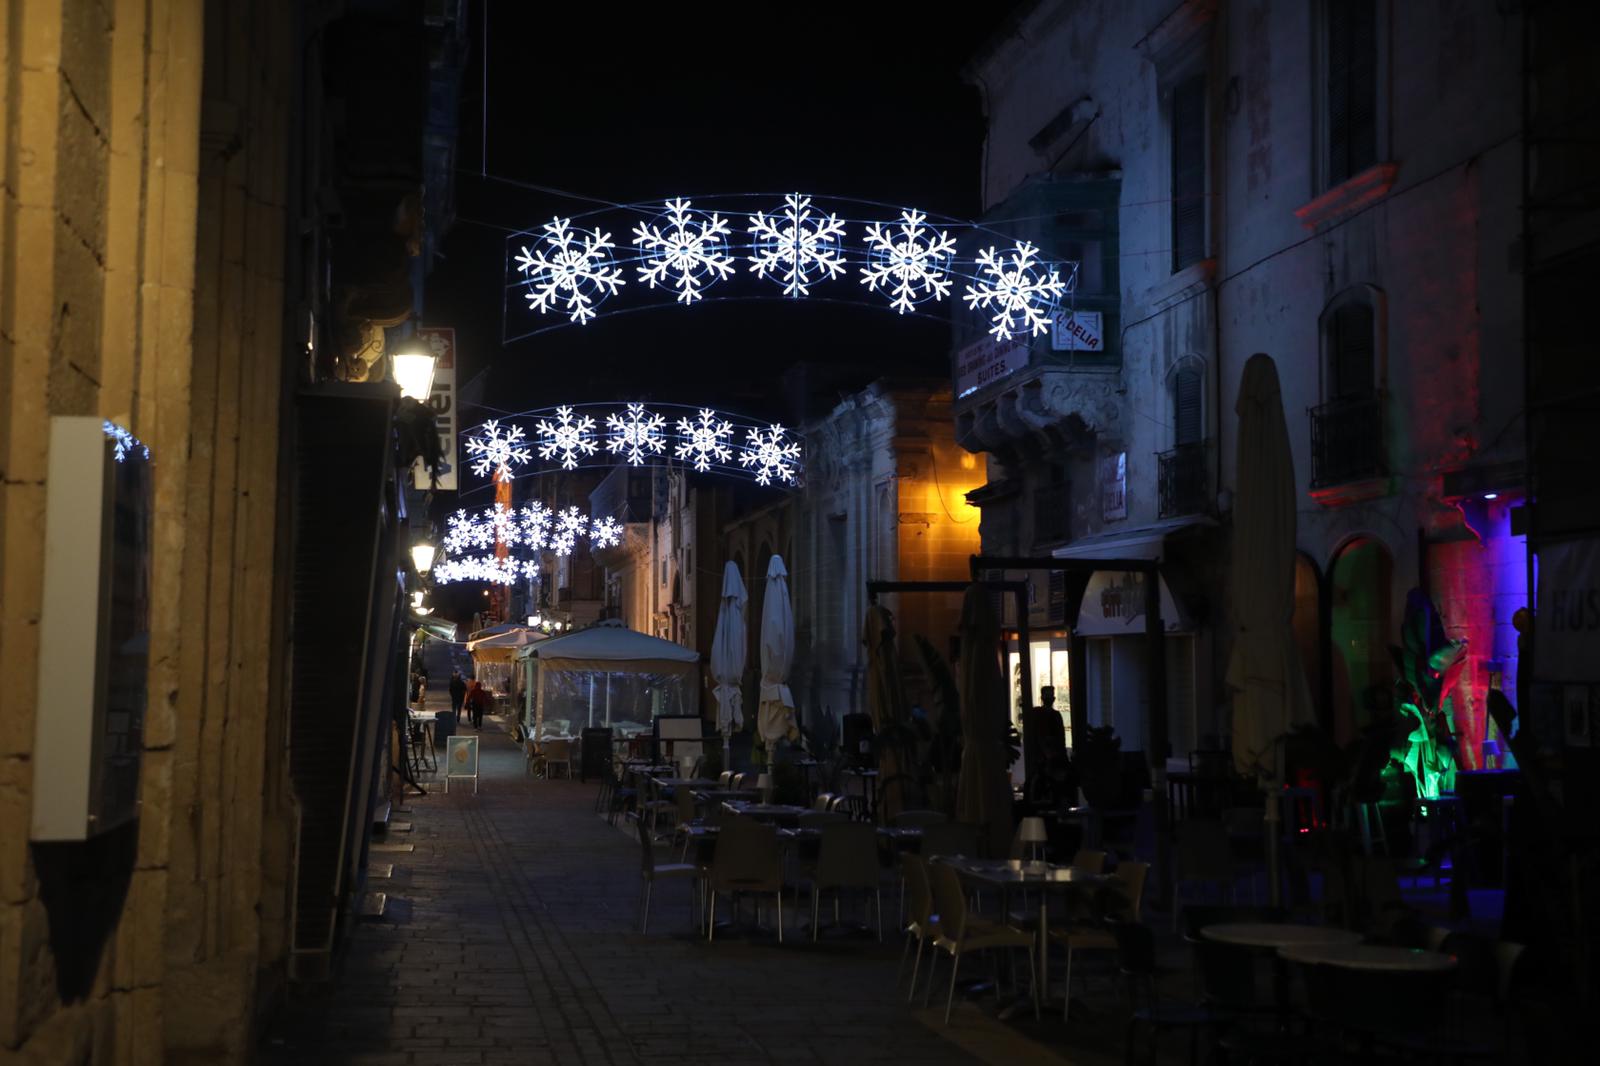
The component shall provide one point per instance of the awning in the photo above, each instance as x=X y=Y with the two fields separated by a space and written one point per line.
x=1113 y=601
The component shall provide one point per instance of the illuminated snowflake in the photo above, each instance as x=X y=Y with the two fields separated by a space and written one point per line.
x=567 y=436
x=126 y=443
x=570 y=268
x=498 y=449
x=533 y=525
x=459 y=530
x=905 y=256
x=770 y=454
x=571 y=521
x=498 y=570
x=1021 y=293
x=688 y=249
x=501 y=523
x=635 y=433
x=702 y=439
x=563 y=542
x=797 y=247
x=606 y=532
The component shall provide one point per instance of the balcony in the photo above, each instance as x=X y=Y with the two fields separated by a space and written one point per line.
x=1185 y=488
x=1347 y=441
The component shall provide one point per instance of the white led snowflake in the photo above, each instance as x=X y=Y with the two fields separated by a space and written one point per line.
x=567 y=436
x=636 y=433
x=498 y=449
x=498 y=570
x=570 y=268
x=124 y=443
x=605 y=532
x=459 y=531
x=797 y=247
x=686 y=248
x=1021 y=293
x=501 y=523
x=906 y=256
x=563 y=542
x=770 y=454
x=571 y=521
x=703 y=440
x=533 y=525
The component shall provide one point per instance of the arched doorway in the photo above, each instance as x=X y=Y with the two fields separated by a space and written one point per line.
x=1361 y=581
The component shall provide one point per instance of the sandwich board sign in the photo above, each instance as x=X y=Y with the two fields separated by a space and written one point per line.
x=461 y=760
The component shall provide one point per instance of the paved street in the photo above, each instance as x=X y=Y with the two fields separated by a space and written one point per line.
x=509 y=939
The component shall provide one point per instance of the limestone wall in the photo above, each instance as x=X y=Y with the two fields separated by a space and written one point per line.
x=141 y=263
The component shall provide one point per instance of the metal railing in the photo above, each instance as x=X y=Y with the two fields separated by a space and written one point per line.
x=1347 y=440
x=1184 y=484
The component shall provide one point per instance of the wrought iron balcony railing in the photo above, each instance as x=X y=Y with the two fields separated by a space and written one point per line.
x=1185 y=486
x=1347 y=440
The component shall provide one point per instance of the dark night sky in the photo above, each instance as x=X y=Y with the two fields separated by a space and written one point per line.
x=819 y=98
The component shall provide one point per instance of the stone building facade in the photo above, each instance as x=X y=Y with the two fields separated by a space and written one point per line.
x=165 y=253
x=1335 y=184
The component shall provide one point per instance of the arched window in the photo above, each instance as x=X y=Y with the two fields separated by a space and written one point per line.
x=1352 y=351
x=1188 y=420
x=1348 y=442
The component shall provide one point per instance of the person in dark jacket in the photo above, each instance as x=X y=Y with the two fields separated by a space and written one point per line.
x=477 y=703
x=458 y=693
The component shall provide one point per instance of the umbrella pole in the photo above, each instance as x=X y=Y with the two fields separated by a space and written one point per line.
x=608 y=701
x=1272 y=824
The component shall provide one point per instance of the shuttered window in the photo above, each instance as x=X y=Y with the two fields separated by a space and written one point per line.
x=1352 y=89
x=1187 y=424
x=1188 y=172
x=1350 y=352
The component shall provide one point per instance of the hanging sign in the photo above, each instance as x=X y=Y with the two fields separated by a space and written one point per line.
x=987 y=361
x=1077 y=331
x=1567 y=622
x=442 y=342
x=461 y=761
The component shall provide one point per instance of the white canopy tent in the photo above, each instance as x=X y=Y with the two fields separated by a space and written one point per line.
x=612 y=676
x=494 y=655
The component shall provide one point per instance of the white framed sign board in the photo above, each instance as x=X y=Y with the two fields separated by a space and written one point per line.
x=461 y=760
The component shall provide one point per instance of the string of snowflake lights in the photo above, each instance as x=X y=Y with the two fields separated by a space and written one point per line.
x=469 y=548
x=124 y=443
x=566 y=270
x=569 y=436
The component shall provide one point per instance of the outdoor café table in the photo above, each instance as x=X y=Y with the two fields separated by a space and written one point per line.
x=1370 y=957
x=683 y=782
x=722 y=795
x=1006 y=874
x=1279 y=937
x=764 y=812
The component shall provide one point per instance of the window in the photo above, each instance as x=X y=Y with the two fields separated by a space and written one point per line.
x=1188 y=133
x=1351 y=67
x=1187 y=420
x=1350 y=351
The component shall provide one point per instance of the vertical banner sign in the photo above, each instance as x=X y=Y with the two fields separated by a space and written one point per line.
x=1114 y=486
x=442 y=342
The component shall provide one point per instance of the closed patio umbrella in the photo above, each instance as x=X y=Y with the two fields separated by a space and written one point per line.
x=886 y=700
x=775 y=716
x=728 y=652
x=1270 y=692
x=983 y=795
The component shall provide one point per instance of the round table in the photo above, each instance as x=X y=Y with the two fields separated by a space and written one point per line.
x=1277 y=935
x=1370 y=957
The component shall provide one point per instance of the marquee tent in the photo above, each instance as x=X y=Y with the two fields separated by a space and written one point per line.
x=494 y=655
x=609 y=675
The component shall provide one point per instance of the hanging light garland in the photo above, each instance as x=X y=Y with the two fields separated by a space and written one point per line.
x=566 y=270
x=473 y=538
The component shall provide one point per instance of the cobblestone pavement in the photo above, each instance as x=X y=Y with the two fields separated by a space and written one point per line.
x=509 y=938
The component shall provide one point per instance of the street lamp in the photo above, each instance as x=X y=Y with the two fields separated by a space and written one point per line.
x=413 y=371
x=422 y=555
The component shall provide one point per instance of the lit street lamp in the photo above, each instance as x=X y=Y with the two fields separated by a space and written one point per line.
x=413 y=371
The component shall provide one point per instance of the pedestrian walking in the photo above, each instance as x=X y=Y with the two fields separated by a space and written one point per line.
x=477 y=701
x=458 y=693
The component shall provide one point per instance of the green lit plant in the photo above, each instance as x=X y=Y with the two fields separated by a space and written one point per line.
x=1430 y=664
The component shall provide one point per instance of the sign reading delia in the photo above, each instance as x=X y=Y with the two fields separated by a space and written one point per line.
x=1077 y=331
x=987 y=361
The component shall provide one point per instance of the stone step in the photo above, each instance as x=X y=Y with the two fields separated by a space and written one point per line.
x=380 y=870
x=385 y=847
x=372 y=906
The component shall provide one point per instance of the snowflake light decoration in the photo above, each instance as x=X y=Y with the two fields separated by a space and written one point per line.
x=1020 y=293
x=497 y=448
x=567 y=436
x=124 y=443
x=798 y=248
x=605 y=532
x=635 y=433
x=770 y=455
x=686 y=248
x=498 y=570
x=572 y=268
x=703 y=440
x=907 y=255
x=459 y=532
x=533 y=525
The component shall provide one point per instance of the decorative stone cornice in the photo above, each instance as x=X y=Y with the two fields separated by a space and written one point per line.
x=1350 y=196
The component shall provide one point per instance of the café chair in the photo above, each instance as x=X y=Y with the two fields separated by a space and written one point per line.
x=651 y=871
x=960 y=932
x=921 y=922
x=1130 y=879
x=1136 y=963
x=848 y=859
x=747 y=860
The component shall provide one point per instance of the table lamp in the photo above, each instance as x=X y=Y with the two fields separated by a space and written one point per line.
x=1032 y=833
